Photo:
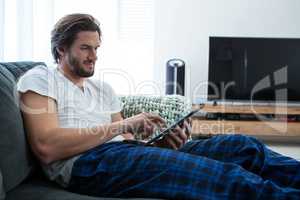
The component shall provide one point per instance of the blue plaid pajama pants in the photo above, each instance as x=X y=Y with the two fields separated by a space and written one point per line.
x=221 y=167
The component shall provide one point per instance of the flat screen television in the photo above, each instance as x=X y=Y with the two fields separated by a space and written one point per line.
x=254 y=69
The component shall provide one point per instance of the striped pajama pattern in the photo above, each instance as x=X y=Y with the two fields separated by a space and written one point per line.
x=221 y=167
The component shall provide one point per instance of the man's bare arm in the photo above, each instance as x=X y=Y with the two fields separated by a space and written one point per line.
x=50 y=142
x=118 y=117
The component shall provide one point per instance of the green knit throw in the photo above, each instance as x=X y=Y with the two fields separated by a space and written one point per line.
x=169 y=107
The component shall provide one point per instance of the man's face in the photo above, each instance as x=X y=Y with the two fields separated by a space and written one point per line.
x=82 y=54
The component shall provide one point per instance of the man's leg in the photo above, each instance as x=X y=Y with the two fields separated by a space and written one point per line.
x=127 y=170
x=252 y=155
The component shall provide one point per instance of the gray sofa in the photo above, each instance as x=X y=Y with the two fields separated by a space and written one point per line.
x=20 y=175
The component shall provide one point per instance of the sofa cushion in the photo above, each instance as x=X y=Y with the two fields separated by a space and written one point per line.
x=2 y=192
x=15 y=162
x=19 y=68
x=43 y=190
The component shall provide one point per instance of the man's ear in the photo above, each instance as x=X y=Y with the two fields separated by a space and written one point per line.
x=61 y=51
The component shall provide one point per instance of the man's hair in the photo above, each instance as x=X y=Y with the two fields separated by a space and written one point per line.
x=66 y=29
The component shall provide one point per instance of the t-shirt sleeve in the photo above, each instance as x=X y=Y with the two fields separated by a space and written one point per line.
x=38 y=81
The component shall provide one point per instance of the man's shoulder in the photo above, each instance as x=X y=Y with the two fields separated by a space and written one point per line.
x=40 y=79
x=40 y=71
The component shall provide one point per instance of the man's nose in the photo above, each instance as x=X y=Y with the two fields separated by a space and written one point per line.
x=93 y=54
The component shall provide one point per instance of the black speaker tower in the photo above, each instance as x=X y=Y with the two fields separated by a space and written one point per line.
x=175 y=76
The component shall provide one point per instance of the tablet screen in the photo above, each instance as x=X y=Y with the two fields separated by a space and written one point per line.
x=169 y=129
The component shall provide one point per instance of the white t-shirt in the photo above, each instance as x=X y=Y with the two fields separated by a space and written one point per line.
x=76 y=108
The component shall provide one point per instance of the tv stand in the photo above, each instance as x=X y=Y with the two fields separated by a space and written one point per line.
x=253 y=103
x=248 y=117
x=262 y=121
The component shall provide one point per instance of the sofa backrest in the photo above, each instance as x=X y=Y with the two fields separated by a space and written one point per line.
x=2 y=193
x=15 y=163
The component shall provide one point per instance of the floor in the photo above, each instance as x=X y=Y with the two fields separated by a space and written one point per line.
x=291 y=150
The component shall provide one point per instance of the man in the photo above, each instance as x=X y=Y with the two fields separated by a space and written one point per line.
x=76 y=130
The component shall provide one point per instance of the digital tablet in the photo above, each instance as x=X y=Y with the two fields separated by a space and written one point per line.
x=170 y=128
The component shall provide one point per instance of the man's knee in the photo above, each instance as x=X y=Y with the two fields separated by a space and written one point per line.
x=241 y=141
x=242 y=137
x=249 y=139
x=248 y=144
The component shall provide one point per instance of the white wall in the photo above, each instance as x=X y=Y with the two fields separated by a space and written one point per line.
x=182 y=29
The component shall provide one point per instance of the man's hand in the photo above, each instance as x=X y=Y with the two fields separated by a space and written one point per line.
x=144 y=123
x=177 y=138
x=128 y=136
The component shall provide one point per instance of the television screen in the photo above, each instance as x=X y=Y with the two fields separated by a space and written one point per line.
x=256 y=69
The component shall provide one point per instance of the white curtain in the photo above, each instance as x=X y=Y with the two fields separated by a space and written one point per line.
x=25 y=28
x=126 y=54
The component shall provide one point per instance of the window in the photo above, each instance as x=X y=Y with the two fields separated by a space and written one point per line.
x=128 y=65
x=126 y=54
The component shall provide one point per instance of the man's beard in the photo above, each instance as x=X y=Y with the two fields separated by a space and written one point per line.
x=77 y=68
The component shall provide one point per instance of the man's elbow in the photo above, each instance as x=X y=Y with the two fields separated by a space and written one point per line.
x=44 y=153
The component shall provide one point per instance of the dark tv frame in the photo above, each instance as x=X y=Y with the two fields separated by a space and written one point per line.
x=229 y=57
